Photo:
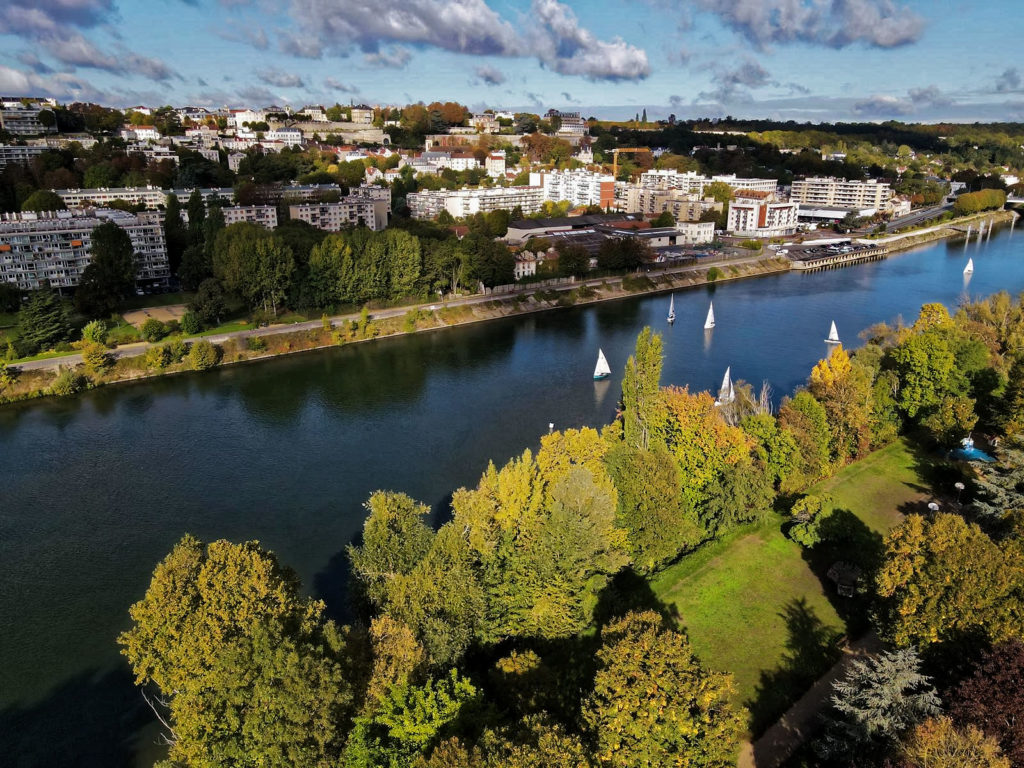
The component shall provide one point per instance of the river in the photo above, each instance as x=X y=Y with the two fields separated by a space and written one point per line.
x=94 y=490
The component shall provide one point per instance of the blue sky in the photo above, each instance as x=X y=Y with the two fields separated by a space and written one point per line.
x=924 y=60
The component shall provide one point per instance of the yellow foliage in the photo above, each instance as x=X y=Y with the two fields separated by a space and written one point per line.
x=936 y=743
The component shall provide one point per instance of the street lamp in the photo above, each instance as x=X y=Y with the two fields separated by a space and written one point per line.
x=933 y=506
x=959 y=489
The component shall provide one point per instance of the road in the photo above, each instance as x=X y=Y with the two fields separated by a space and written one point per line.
x=916 y=217
x=134 y=350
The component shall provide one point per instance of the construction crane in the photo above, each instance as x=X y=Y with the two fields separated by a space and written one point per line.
x=615 y=157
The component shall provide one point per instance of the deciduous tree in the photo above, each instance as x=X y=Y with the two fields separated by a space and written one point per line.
x=653 y=704
x=110 y=275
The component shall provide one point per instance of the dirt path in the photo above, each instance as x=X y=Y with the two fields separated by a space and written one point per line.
x=801 y=720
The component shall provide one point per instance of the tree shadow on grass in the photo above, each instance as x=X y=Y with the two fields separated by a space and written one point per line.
x=812 y=648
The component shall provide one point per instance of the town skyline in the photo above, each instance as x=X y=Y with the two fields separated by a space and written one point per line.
x=872 y=59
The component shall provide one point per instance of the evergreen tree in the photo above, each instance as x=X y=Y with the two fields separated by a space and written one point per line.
x=43 y=321
x=196 y=216
x=643 y=117
x=876 y=703
x=175 y=234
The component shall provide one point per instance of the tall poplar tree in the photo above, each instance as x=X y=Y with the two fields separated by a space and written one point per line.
x=640 y=390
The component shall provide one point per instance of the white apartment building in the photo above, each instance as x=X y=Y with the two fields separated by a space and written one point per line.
x=54 y=246
x=154 y=152
x=140 y=133
x=234 y=160
x=495 y=164
x=691 y=181
x=264 y=215
x=755 y=214
x=466 y=202
x=149 y=196
x=22 y=120
x=291 y=137
x=362 y=114
x=826 y=192
x=243 y=116
x=695 y=232
x=578 y=187
x=13 y=154
x=351 y=211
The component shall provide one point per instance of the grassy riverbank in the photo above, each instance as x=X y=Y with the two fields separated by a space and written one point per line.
x=247 y=344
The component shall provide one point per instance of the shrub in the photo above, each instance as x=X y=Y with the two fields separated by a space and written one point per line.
x=158 y=357
x=751 y=245
x=808 y=515
x=256 y=343
x=68 y=382
x=8 y=375
x=409 y=323
x=714 y=274
x=95 y=332
x=153 y=330
x=95 y=357
x=203 y=355
x=178 y=349
x=190 y=324
x=325 y=321
x=172 y=327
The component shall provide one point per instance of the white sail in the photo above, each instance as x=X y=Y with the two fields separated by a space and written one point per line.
x=969 y=269
x=727 y=393
x=672 y=308
x=601 y=370
x=833 y=334
x=710 y=322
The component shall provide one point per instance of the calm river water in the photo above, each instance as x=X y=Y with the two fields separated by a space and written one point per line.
x=95 y=490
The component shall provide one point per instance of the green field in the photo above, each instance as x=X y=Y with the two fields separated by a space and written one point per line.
x=876 y=487
x=755 y=603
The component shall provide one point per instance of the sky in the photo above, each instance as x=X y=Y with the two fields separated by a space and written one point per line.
x=817 y=60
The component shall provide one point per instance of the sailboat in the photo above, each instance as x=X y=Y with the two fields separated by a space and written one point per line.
x=601 y=370
x=672 y=309
x=710 y=322
x=833 y=335
x=969 y=269
x=726 y=394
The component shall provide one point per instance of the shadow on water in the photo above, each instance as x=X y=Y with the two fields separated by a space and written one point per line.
x=91 y=721
x=811 y=648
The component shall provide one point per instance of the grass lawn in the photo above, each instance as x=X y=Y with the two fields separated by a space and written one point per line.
x=877 y=487
x=752 y=606
x=236 y=325
x=755 y=603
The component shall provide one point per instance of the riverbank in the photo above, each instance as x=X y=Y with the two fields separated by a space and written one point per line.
x=946 y=230
x=133 y=364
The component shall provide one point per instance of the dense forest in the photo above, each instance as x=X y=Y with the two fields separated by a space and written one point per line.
x=522 y=631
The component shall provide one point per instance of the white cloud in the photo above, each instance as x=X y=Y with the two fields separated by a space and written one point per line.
x=832 y=23
x=280 y=79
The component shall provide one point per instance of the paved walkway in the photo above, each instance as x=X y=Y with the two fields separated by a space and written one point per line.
x=801 y=721
x=139 y=348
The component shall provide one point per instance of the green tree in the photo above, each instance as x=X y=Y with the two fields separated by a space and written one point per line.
x=43 y=321
x=659 y=524
x=250 y=671
x=110 y=275
x=190 y=323
x=653 y=704
x=395 y=538
x=774 y=446
x=408 y=721
x=640 y=390
x=43 y=200
x=664 y=219
x=945 y=580
x=95 y=357
x=208 y=303
x=573 y=260
x=876 y=703
x=923 y=363
x=806 y=420
x=153 y=330
x=196 y=209
x=175 y=234
x=95 y=331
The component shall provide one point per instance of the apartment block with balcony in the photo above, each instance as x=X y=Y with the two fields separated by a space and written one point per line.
x=264 y=215
x=827 y=192
x=22 y=119
x=757 y=214
x=579 y=187
x=466 y=202
x=54 y=247
x=15 y=154
x=351 y=211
